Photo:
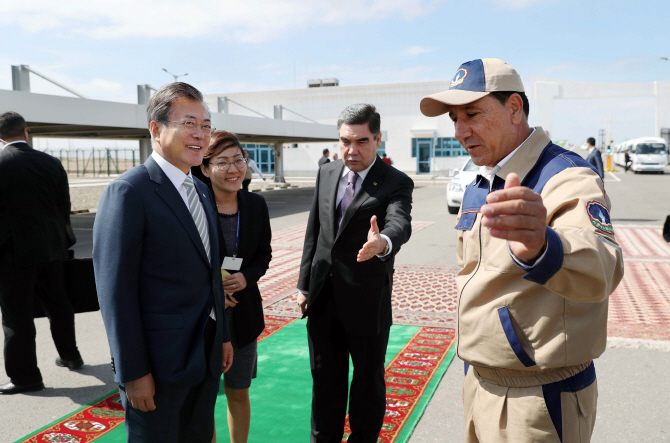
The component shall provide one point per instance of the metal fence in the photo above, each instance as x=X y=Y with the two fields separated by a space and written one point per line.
x=96 y=161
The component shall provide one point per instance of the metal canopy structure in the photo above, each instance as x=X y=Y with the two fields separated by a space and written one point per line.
x=70 y=117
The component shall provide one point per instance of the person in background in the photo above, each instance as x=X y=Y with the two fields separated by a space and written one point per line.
x=335 y=157
x=385 y=159
x=34 y=216
x=595 y=157
x=538 y=260
x=244 y=234
x=324 y=158
x=251 y=165
x=626 y=161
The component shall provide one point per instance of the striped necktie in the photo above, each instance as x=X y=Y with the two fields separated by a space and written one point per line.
x=195 y=207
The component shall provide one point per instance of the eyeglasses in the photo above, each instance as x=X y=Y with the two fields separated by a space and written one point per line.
x=224 y=166
x=192 y=128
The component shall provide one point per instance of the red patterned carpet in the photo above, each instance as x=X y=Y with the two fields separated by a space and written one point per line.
x=431 y=303
x=639 y=308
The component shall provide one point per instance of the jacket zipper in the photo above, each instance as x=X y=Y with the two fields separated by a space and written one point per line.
x=458 y=311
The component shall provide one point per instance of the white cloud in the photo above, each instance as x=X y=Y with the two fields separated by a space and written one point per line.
x=518 y=4
x=239 y=20
x=416 y=50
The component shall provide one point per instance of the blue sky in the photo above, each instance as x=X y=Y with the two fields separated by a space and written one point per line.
x=104 y=49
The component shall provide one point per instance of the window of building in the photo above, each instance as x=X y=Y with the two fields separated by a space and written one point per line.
x=449 y=147
x=263 y=155
x=445 y=147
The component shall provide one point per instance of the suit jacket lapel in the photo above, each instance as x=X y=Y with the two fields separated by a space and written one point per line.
x=372 y=182
x=334 y=182
x=170 y=195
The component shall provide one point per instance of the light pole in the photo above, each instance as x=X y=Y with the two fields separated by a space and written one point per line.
x=176 y=77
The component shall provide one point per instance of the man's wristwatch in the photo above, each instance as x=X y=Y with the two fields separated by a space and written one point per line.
x=386 y=249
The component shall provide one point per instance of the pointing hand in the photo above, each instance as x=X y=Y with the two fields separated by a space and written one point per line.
x=518 y=215
x=375 y=244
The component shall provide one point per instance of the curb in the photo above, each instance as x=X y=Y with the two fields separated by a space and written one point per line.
x=638 y=343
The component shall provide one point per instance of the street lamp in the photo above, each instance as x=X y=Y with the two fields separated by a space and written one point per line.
x=176 y=77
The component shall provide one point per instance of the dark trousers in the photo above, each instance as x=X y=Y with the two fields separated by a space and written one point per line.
x=181 y=415
x=329 y=349
x=18 y=288
x=245 y=184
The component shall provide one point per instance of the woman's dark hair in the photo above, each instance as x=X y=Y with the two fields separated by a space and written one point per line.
x=221 y=140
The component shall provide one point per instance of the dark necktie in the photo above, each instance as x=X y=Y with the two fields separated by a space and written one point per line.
x=352 y=178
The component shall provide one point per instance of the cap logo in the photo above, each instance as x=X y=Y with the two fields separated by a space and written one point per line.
x=459 y=77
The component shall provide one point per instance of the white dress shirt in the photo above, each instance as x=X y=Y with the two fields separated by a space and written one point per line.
x=254 y=167
x=177 y=177
x=11 y=143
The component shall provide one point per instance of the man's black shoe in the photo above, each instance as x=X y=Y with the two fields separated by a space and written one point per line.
x=72 y=364
x=11 y=388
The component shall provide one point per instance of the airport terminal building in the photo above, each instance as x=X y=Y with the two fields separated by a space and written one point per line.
x=420 y=145
x=416 y=144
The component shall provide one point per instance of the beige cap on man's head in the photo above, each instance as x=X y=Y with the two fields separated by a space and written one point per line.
x=473 y=80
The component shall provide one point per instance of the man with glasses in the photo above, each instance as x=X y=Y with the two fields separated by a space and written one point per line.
x=156 y=256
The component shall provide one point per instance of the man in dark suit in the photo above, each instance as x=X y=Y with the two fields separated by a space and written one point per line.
x=34 y=213
x=324 y=158
x=360 y=217
x=156 y=256
x=595 y=157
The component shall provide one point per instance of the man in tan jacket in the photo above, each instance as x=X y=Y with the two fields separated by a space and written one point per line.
x=538 y=260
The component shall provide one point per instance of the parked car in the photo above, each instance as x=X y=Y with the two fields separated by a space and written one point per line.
x=457 y=185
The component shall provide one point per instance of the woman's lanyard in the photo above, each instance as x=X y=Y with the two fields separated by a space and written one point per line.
x=237 y=234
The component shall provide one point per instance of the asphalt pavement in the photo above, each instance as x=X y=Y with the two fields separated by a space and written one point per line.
x=633 y=385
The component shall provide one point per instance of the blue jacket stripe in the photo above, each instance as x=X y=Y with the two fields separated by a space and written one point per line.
x=513 y=340
x=552 y=394
x=551 y=263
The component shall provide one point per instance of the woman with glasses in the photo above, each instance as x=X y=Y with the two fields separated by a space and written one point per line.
x=244 y=242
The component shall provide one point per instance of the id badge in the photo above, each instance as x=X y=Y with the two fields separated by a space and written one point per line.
x=231 y=263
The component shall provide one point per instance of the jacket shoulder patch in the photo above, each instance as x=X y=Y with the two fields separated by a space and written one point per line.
x=600 y=216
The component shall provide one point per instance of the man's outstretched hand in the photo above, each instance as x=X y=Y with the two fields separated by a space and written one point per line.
x=375 y=244
x=517 y=214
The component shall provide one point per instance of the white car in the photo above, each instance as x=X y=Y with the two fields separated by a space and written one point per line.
x=457 y=185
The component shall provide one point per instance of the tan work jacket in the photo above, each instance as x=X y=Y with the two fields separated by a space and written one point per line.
x=554 y=314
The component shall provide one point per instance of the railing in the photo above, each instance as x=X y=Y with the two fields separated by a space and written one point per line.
x=96 y=162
